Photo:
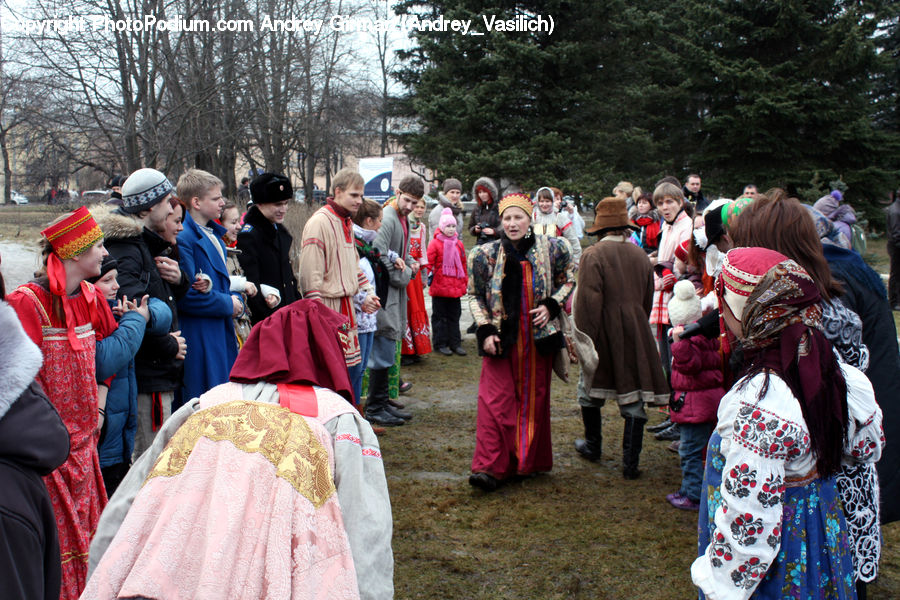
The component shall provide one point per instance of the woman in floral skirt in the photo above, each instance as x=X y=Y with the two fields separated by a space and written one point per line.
x=771 y=524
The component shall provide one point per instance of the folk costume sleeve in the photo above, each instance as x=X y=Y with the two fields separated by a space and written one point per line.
x=865 y=434
x=747 y=533
x=479 y=270
x=28 y=315
x=571 y=236
x=121 y=501
x=365 y=504
x=563 y=269
x=313 y=260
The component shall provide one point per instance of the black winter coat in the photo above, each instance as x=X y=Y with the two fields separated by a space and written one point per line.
x=487 y=216
x=865 y=295
x=265 y=258
x=33 y=442
x=893 y=223
x=130 y=244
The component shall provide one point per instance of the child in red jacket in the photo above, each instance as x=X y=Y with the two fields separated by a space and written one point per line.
x=697 y=387
x=447 y=260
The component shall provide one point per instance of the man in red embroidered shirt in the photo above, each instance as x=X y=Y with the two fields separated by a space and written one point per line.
x=329 y=264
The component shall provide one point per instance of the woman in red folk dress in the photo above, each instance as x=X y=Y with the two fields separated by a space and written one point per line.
x=517 y=286
x=64 y=315
x=417 y=339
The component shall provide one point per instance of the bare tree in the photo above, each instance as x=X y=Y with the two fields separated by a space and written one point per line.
x=13 y=100
x=129 y=97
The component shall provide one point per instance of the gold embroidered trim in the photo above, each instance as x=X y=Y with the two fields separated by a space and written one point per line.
x=282 y=437
x=80 y=244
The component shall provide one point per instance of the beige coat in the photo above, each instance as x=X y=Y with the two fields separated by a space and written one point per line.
x=330 y=271
x=329 y=264
x=616 y=281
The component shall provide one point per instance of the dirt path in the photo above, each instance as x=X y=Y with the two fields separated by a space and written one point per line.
x=19 y=261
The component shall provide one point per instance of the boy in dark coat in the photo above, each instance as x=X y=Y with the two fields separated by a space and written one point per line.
x=265 y=245
x=145 y=267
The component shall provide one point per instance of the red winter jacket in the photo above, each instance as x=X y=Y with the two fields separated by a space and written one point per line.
x=442 y=285
x=696 y=374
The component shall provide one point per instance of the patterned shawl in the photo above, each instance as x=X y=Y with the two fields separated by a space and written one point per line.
x=781 y=326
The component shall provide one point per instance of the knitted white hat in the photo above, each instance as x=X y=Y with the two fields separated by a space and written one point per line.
x=144 y=189
x=684 y=307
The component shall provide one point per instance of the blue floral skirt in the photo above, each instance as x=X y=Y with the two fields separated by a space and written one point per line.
x=814 y=560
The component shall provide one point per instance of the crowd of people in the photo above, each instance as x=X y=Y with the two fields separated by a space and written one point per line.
x=166 y=322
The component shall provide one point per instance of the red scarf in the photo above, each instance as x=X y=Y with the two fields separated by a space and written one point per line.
x=344 y=215
x=56 y=279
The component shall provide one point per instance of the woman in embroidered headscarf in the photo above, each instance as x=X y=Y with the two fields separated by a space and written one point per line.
x=857 y=320
x=517 y=286
x=65 y=316
x=547 y=220
x=771 y=525
x=269 y=486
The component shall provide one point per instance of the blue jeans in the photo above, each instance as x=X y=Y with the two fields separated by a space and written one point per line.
x=356 y=373
x=694 y=437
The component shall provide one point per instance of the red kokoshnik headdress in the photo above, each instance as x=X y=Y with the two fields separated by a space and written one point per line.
x=73 y=235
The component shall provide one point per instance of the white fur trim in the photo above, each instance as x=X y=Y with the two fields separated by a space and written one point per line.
x=20 y=358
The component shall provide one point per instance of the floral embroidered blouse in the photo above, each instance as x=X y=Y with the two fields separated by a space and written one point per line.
x=765 y=443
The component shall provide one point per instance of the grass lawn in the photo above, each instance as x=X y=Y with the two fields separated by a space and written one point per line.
x=579 y=532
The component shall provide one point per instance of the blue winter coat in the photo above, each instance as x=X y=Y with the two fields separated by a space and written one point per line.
x=205 y=318
x=115 y=356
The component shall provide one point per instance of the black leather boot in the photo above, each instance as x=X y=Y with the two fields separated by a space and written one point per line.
x=591 y=446
x=376 y=405
x=397 y=412
x=660 y=426
x=632 y=442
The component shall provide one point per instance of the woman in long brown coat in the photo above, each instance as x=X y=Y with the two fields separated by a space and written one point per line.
x=612 y=306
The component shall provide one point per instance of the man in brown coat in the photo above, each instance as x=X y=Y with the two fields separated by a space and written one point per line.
x=615 y=280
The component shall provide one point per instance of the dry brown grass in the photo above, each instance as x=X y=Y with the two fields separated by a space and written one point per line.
x=579 y=532
x=23 y=223
x=296 y=218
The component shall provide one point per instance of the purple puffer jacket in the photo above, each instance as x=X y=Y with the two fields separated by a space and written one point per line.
x=697 y=374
